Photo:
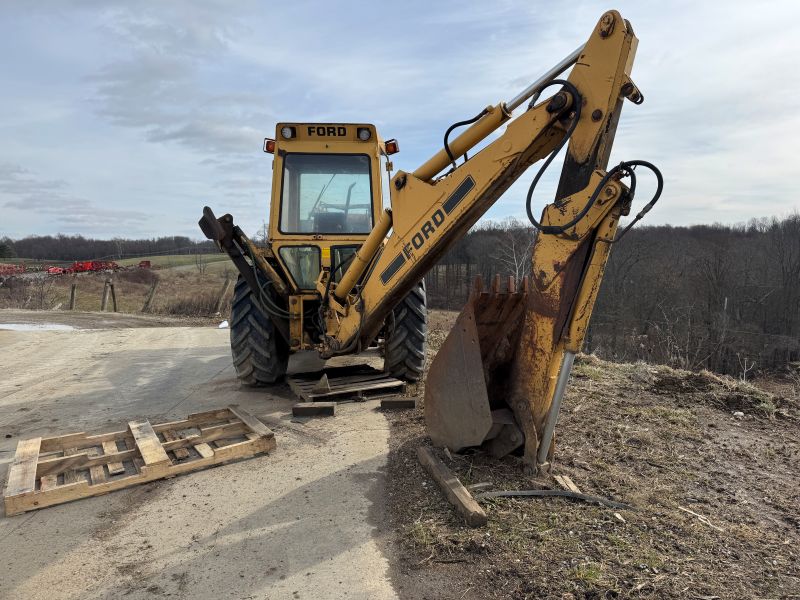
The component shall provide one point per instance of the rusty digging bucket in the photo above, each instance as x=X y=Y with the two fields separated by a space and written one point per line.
x=465 y=389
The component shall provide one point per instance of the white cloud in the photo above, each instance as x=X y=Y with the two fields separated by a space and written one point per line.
x=162 y=106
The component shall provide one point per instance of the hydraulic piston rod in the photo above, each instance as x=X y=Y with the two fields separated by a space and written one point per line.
x=536 y=87
x=495 y=116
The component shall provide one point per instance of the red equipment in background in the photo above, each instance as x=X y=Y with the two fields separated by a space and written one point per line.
x=88 y=266
x=6 y=269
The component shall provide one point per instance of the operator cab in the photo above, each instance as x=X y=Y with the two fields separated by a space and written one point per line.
x=326 y=195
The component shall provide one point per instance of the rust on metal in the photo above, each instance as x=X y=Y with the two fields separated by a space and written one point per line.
x=468 y=378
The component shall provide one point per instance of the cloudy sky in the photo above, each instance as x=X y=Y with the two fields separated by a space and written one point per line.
x=123 y=118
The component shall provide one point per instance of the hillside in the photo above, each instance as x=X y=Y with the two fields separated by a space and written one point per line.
x=710 y=465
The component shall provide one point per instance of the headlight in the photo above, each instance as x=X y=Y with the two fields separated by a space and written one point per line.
x=287 y=132
x=364 y=134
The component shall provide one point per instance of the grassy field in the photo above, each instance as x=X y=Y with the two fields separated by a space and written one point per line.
x=182 y=288
x=174 y=260
x=164 y=261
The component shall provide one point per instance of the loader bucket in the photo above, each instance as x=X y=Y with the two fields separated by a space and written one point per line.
x=465 y=388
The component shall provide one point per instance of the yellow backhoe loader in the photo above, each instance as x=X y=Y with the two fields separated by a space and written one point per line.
x=339 y=271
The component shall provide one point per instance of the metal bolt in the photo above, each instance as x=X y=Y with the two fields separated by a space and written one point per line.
x=557 y=102
x=597 y=114
x=606 y=25
x=610 y=192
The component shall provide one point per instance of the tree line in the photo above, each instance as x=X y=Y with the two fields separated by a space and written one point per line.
x=724 y=298
x=76 y=247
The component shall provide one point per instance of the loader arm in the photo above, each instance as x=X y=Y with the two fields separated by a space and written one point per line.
x=430 y=214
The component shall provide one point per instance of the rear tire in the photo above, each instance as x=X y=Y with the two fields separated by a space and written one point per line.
x=404 y=350
x=260 y=354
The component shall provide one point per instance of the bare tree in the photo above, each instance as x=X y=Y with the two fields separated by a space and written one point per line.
x=513 y=251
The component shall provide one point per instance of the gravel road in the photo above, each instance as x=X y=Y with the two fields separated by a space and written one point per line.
x=304 y=522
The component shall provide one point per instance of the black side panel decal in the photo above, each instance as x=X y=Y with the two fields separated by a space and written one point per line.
x=393 y=268
x=457 y=196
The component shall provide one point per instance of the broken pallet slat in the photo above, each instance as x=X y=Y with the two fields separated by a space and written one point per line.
x=148 y=444
x=97 y=473
x=180 y=452
x=356 y=387
x=116 y=467
x=343 y=382
x=71 y=475
x=204 y=450
x=453 y=490
x=48 y=482
x=249 y=420
x=84 y=465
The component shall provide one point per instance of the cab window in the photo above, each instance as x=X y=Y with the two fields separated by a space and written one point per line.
x=326 y=193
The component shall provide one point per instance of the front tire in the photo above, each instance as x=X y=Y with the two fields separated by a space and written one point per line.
x=260 y=354
x=404 y=350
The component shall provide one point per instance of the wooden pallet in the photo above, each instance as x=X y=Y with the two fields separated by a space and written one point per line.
x=359 y=381
x=48 y=471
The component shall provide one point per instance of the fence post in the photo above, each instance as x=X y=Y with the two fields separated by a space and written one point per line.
x=104 y=301
x=221 y=299
x=113 y=295
x=72 y=291
x=149 y=300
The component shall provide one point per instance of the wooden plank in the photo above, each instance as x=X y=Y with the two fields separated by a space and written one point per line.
x=351 y=389
x=570 y=485
x=147 y=443
x=226 y=430
x=171 y=436
x=455 y=492
x=398 y=402
x=204 y=450
x=312 y=409
x=80 y=440
x=48 y=482
x=182 y=441
x=82 y=460
x=70 y=460
x=114 y=468
x=195 y=420
x=71 y=475
x=219 y=414
x=254 y=424
x=22 y=474
x=96 y=472
x=245 y=449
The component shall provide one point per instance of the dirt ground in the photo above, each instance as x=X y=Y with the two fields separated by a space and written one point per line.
x=716 y=495
x=342 y=509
